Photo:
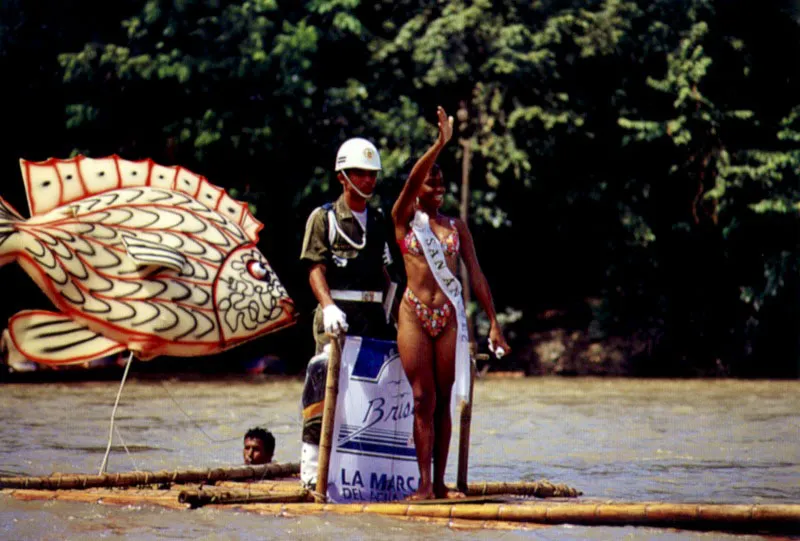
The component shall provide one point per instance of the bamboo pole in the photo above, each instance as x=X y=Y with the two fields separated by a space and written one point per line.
x=80 y=481
x=466 y=409
x=733 y=517
x=464 y=430
x=466 y=163
x=540 y=489
x=278 y=485
x=291 y=493
x=198 y=497
x=328 y=418
x=471 y=525
x=131 y=496
x=275 y=493
x=691 y=516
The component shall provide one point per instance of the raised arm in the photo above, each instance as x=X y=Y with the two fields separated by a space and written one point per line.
x=404 y=206
x=481 y=287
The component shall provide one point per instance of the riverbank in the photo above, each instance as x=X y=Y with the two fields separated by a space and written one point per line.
x=570 y=352
x=564 y=352
x=560 y=351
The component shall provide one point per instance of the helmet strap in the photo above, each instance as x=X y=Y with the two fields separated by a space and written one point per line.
x=359 y=192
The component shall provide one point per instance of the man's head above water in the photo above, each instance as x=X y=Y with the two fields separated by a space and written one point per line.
x=259 y=446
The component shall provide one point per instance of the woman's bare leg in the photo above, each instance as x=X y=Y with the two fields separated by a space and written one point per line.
x=445 y=373
x=416 y=354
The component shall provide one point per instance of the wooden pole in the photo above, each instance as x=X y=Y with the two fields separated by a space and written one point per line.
x=758 y=518
x=466 y=409
x=690 y=516
x=198 y=497
x=81 y=481
x=466 y=161
x=328 y=418
x=539 y=489
x=464 y=430
x=278 y=493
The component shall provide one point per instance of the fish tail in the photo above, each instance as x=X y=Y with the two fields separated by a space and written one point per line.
x=8 y=219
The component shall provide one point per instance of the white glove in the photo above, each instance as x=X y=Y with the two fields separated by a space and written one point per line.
x=334 y=320
x=498 y=352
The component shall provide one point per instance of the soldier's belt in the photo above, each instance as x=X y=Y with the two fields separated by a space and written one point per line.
x=356 y=296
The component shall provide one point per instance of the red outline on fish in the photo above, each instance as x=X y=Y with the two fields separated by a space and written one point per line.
x=138 y=256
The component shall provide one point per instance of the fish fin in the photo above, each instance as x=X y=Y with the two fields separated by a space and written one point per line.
x=42 y=185
x=11 y=356
x=216 y=199
x=8 y=215
x=146 y=252
x=55 y=339
x=251 y=225
x=55 y=182
x=133 y=173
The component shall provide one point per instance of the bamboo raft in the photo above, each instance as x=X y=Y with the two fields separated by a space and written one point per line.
x=275 y=489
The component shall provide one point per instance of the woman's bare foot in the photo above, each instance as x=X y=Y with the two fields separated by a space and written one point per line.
x=444 y=492
x=421 y=495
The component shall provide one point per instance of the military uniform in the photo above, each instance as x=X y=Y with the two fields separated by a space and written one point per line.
x=356 y=273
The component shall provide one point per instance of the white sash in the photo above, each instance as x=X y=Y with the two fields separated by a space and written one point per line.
x=448 y=283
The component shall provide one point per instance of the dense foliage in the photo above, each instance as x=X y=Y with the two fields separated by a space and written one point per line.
x=634 y=164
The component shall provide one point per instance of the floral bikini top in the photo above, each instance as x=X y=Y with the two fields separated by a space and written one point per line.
x=451 y=242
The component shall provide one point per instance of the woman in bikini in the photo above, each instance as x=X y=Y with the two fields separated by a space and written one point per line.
x=428 y=321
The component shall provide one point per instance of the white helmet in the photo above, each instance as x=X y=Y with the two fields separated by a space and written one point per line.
x=358 y=153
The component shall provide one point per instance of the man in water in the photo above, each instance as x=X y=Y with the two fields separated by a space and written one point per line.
x=259 y=446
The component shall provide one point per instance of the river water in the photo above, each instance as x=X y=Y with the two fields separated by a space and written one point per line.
x=713 y=441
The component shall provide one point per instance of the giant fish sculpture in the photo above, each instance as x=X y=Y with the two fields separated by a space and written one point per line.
x=136 y=256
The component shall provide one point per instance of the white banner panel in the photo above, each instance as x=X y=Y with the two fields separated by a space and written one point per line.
x=373 y=457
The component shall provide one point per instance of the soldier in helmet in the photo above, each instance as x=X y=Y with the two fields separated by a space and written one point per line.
x=347 y=248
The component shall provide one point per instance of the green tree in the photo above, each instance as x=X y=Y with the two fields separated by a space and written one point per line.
x=643 y=154
x=717 y=176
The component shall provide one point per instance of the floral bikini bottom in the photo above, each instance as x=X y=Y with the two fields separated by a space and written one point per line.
x=433 y=320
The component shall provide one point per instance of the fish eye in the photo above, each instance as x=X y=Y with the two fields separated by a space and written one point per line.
x=257 y=270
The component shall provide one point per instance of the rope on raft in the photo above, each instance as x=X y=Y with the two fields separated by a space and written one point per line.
x=104 y=464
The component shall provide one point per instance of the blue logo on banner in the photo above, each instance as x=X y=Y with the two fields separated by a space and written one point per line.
x=370 y=441
x=373 y=356
x=377 y=435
